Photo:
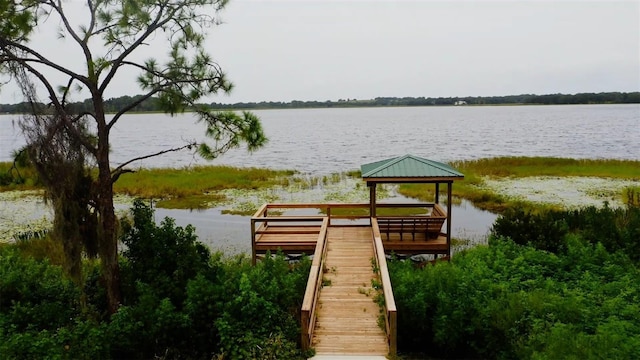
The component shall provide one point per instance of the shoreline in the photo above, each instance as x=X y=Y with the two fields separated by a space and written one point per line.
x=568 y=192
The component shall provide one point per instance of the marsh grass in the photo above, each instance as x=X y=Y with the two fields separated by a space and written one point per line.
x=546 y=166
x=353 y=173
x=471 y=188
x=39 y=246
x=191 y=202
x=194 y=188
x=632 y=196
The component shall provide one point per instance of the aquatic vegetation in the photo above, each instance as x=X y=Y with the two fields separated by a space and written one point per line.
x=498 y=183
x=567 y=192
x=549 y=166
x=247 y=201
x=632 y=196
x=488 y=184
x=195 y=181
x=193 y=202
x=18 y=177
x=22 y=213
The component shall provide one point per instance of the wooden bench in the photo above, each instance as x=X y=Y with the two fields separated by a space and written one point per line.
x=429 y=225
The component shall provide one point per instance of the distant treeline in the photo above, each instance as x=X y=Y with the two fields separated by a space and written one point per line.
x=116 y=104
x=529 y=99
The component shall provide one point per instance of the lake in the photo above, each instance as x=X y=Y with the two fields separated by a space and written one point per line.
x=324 y=141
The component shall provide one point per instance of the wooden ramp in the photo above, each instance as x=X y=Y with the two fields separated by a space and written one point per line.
x=347 y=317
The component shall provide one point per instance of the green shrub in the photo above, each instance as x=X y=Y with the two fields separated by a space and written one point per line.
x=260 y=308
x=544 y=230
x=616 y=229
x=163 y=257
x=35 y=295
x=180 y=302
x=41 y=314
x=150 y=328
x=511 y=301
x=183 y=302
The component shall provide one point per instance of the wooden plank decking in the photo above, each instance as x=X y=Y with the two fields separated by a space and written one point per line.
x=288 y=238
x=347 y=316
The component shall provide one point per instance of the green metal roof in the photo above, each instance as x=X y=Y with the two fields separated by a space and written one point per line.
x=409 y=167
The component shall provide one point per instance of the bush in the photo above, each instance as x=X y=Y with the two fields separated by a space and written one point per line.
x=41 y=314
x=544 y=230
x=511 y=301
x=163 y=257
x=181 y=302
x=264 y=308
x=35 y=295
x=615 y=229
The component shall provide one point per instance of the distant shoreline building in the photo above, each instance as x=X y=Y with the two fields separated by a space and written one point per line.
x=460 y=102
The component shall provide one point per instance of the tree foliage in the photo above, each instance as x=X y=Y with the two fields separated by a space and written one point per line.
x=110 y=37
x=114 y=105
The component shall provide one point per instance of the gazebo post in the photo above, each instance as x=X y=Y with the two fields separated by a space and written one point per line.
x=437 y=200
x=449 y=186
x=372 y=199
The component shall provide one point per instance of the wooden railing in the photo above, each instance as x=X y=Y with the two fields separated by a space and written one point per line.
x=390 y=311
x=263 y=212
x=314 y=283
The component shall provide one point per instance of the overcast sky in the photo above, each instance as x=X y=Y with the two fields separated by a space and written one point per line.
x=330 y=50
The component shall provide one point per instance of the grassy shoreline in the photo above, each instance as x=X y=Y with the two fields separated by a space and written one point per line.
x=206 y=186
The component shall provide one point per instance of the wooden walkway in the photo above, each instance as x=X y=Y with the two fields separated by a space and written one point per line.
x=338 y=315
x=347 y=317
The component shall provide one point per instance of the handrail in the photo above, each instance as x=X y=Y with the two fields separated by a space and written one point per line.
x=327 y=207
x=262 y=211
x=390 y=311
x=314 y=283
x=259 y=217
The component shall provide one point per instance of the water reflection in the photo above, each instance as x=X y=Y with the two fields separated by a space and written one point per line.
x=228 y=233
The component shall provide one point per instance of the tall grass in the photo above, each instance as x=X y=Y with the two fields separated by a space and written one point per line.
x=40 y=246
x=158 y=183
x=547 y=166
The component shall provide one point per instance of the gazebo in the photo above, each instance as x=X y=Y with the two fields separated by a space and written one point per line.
x=413 y=169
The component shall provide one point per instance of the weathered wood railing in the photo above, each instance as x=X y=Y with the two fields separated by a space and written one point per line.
x=390 y=312
x=314 y=283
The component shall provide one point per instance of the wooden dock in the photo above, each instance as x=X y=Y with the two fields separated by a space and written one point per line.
x=346 y=314
x=338 y=314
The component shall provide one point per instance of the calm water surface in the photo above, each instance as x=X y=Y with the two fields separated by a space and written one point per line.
x=323 y=141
